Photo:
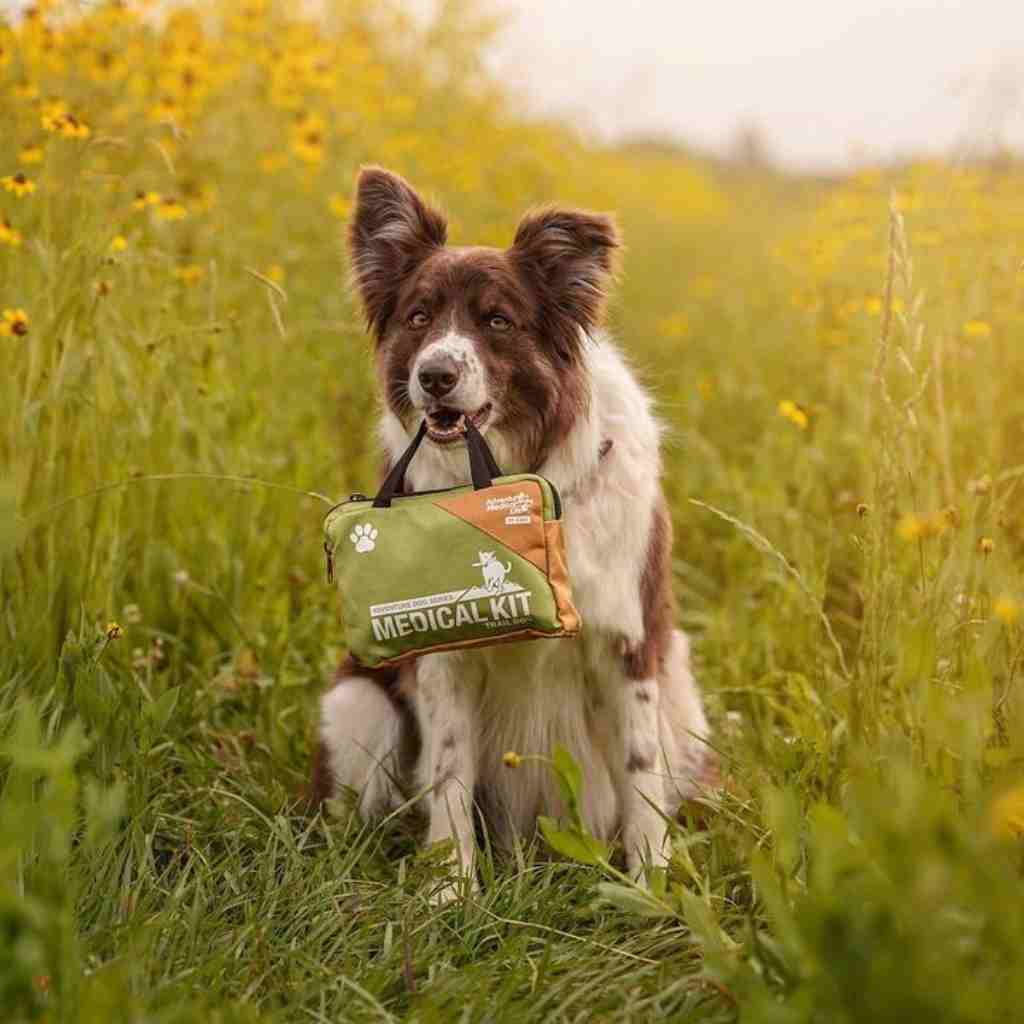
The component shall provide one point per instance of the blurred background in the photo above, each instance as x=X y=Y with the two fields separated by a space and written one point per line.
x=813 y=86
x=823 y=287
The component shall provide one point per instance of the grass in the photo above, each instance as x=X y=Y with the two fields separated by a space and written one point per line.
x=836 y=366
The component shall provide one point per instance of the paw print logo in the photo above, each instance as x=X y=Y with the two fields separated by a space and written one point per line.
x=364 y=536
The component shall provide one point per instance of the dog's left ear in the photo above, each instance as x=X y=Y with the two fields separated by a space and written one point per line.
x=569 y=258
x=392 y=231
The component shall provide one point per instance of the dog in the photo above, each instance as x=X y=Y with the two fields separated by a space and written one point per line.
x=494 y=572
x=513 y=340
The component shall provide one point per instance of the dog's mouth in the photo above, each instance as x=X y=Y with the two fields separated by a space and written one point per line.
x=447 y=426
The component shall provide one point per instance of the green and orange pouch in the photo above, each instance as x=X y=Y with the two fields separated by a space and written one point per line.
x=464 y=567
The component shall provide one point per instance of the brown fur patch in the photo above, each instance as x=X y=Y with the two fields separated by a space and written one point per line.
x=321 y=783
x=644 y=661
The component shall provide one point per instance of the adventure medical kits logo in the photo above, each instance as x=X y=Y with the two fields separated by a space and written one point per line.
x=518 y=506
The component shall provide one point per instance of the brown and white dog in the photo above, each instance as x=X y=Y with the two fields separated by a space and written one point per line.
x=512 y=339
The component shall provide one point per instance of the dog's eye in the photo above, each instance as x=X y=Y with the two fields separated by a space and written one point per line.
x=498 y=322
x=418 y=319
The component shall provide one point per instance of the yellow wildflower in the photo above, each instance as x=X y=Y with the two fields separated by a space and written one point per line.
x=340 y=206
x=25 y=91
x=275 y=273
x=1006 y=816
x=977 y=329
x=911 y=528
x=675 y=326
x=114 y=631
x=986 y=546
x=18 y=184
x=9 y=235
x=1006 y=610
x=863 y=511
x=165 y=109
x=171 y=209
x=790 y=410
x=189 y=274
x=30 y=155
x=144 y=199
x=309 y=146
x=66 y=125
x=118 y=243
x=13 y=323
x=511 y=759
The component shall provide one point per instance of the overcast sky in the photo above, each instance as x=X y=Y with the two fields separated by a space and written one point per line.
x=827 y=81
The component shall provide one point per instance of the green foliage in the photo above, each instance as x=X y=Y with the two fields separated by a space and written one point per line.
x=843 y=401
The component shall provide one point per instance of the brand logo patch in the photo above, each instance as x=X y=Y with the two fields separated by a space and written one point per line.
x=518 y=506
x=364 y=537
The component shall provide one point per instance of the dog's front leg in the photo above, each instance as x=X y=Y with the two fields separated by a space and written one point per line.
x=641 y=775
x=445 y=693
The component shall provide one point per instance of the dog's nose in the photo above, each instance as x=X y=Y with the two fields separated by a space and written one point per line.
x=438 y=376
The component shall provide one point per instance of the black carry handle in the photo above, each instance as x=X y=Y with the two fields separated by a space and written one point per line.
x=482 y=465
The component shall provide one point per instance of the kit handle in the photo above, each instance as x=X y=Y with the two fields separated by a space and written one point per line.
x=482 y=465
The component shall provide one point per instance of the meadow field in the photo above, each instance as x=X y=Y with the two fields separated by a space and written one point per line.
x=186 y=387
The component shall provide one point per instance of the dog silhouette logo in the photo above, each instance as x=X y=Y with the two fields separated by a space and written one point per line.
x=494 y=572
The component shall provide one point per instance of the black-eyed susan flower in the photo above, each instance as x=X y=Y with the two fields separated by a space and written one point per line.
x=166 y=108
x=19 y=184
x=171 y=208
x=795 y=413
x=144 y=199
x=13 y=323
x=65 y=124
x=189 y=274
x=309 y=146
x=1007 y=610
x=9 y=235
x=25 y=91
x=30 y=155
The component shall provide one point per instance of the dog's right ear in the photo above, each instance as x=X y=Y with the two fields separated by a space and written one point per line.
x=392 y=231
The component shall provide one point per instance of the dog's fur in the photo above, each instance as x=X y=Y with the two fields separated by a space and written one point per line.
x=518 y=331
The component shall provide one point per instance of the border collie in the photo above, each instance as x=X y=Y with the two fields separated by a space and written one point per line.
x=512 y=339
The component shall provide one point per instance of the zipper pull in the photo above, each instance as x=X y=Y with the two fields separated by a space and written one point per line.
x=358 y=497
x=329 y=552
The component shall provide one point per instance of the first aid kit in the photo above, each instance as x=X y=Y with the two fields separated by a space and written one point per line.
x=444 y=570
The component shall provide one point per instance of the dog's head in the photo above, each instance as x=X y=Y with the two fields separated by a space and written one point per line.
x=495 y=335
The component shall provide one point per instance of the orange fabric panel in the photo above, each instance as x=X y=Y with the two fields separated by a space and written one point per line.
x=558 y=577
x=511 y=513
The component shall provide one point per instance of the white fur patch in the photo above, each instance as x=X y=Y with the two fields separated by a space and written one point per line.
x=470 y=393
